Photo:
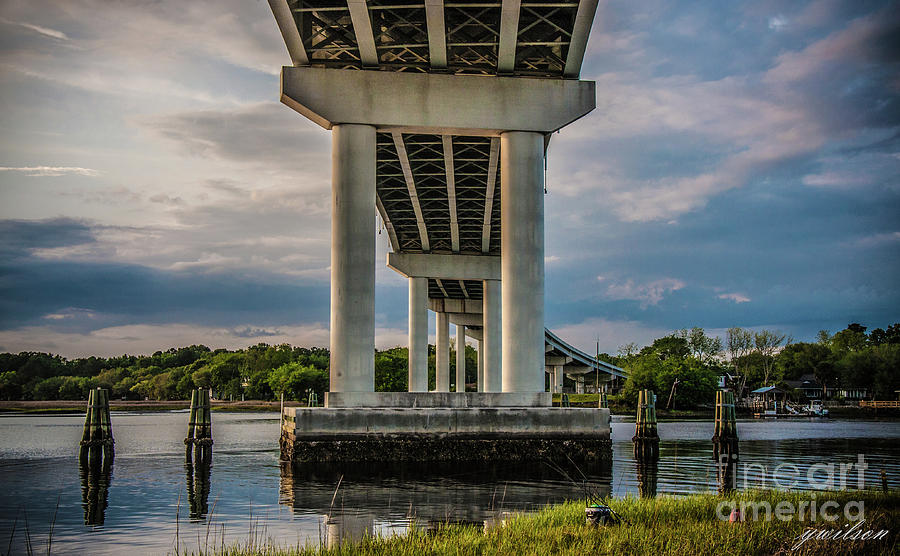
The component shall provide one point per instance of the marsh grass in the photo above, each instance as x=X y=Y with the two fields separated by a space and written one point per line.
x=662 y=525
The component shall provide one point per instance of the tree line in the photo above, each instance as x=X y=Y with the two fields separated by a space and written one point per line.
x=848 y=359
x=685 y=365
x=260 y=372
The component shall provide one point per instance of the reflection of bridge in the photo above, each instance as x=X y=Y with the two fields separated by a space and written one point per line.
x=441 y=113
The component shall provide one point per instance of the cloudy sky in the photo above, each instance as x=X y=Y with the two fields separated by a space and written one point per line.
x=742 y=168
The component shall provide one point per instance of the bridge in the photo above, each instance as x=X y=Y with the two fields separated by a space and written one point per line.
x=441 y=113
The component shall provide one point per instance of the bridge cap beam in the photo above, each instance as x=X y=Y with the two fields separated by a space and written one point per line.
x=435 y=103
x=445 y=267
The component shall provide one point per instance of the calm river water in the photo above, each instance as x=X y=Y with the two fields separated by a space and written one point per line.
x=149 y=500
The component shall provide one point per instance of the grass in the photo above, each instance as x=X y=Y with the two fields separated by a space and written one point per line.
x=663 y=525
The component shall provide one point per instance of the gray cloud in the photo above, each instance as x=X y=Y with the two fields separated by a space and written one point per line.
x=264 y=134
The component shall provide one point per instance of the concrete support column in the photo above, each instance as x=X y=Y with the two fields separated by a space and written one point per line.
x=418 y=334
x=352 y=258
x=522 y=260
x=460 y=358
x=492 y=331
x=442 y=355
x=480 y=384
x=557 y=379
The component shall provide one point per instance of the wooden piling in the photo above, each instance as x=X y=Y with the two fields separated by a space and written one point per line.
x=725 y=438
x=646 y=436
x=199 y=424
x=725 y=441
x=97 y=429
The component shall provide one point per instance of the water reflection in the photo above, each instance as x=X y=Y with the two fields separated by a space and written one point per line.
x=348 y=528
x=95 y=465
x=726 y=474
x=198 y=467
x=647 y=477
x=358 y=499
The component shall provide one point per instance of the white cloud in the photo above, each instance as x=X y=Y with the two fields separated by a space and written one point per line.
x=51 y=171
x=52 y=33
x=650 y=293
x=777 y=23
x=837 y=180
x=736 y=297
x=876 y=240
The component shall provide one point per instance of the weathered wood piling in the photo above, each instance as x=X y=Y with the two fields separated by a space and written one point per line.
x=725 y=441
x=97 y=427
x=603 y=401
x=725 y=438
x=646 y=437
x=200 y=423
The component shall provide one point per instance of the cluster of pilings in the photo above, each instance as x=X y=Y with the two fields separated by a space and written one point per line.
x=646 y=437
x=603 y=401
x=198 y=453
x=97 y=431
x=200 y=424
x=725 y=440
x=95 y=457
x=646 y=442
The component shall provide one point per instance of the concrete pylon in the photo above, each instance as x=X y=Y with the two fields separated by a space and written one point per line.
x=353 y=259
x=557 y=379
x=460 y=358
x=418 y=334
x=480 y=384
x=493 y=330
x=442 y=353
x=522 y=260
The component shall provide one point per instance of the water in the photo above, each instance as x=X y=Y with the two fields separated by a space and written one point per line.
x=251 y=497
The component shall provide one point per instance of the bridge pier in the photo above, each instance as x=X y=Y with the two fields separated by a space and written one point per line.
x=353 y=258
x=442 y=353
x=418 y=334
x=492 y=330
x=480 y=385
x=460 y=358
x=522 y=260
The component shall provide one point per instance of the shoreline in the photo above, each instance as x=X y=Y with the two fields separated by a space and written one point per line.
x=690 y=524
x=79 y=406
x=54 y=407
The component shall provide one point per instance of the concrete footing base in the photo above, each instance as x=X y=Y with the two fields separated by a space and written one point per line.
x=445 y=434
x=353 y=400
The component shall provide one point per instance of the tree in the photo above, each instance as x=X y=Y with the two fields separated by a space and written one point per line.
x=628 y=350
x=295 y=380
x=766 y=343
x=702 y=346
x=739 y=343
x=852 y=338
x=796 y=360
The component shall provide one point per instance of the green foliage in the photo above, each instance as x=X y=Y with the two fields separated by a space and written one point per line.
x=297 y=381
x=850 y=358
x=392 y=370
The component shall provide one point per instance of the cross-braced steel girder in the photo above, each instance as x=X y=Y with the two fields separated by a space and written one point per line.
x=471 y=38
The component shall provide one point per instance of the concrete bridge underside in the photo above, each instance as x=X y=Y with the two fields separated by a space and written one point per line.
x=441 y=113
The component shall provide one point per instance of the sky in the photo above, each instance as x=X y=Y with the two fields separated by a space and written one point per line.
x=742 y=168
